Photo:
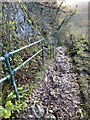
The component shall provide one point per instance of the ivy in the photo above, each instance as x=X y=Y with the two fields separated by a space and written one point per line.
x=81 y=60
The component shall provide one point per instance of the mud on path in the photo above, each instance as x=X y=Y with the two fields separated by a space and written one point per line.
x=58 y=96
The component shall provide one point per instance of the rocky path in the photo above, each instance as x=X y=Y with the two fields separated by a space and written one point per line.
x=58 y=96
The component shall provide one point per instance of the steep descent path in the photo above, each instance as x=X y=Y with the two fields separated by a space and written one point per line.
x=58 y=96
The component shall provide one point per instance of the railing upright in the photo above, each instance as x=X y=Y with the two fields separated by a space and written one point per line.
x=43 y=51
x=50 y=48
x=11 y=73
x=53 y=49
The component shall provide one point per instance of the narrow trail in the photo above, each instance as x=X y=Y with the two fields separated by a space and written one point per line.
x=58 y=96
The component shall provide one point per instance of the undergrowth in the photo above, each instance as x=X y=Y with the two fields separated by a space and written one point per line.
x=78 y=49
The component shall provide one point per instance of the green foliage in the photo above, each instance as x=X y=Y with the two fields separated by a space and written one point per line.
x=11 y=107
x=6 y=112
x=19 y=105
x=1 y=111
x=47 y=24
x=81 y=59
x=22 y=93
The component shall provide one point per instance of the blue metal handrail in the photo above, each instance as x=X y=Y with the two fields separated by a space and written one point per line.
x=19 y=67
x=2 y=58
x=11 y=72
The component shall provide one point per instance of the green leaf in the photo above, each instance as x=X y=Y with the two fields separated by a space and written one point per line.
x=7 y=113
x=16 y=108
x=9 y=106
x=11 y=96
x=30 y=21
x=20 y=88
x=1 y=111
x=24 y=105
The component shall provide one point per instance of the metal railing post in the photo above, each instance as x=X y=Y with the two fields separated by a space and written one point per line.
x=50 y=48
x=43 y=51
x=53 y=48
x=11 y=73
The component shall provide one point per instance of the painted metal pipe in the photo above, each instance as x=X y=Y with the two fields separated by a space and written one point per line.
x=5 y=78
x=43 y=52
x=22 y=65
x=2 y=59
x=11 y=73
x=53 y=48
x=50 y=49
x=18 y=50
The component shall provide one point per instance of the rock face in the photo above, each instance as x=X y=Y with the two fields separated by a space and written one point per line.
x=58 y=95
x=17 y=18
